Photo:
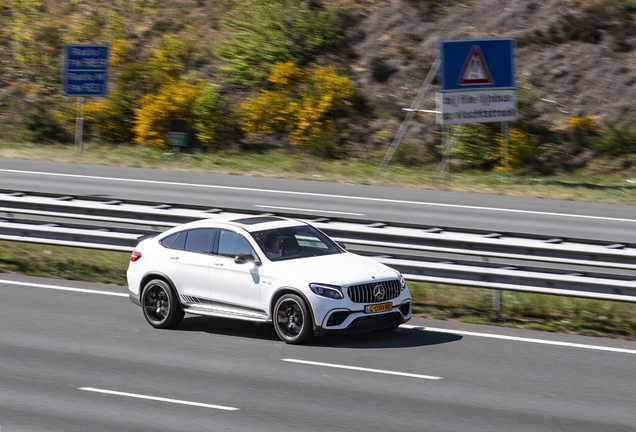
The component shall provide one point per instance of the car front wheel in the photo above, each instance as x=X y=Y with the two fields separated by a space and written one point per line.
x=160 y=305
x=292 y=320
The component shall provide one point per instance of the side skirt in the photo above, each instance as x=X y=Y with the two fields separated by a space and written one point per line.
x=227 y=312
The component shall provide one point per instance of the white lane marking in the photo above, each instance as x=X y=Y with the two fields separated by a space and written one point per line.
x=159 y=399
x=309 y=210
x=62 y=288
x=520 y=339
x=355 y=368
x=358 y=198
x=406 y=326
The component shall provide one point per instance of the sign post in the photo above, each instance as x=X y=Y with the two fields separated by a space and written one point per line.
x=409 y=117
x=476 y=84
x=84 y=74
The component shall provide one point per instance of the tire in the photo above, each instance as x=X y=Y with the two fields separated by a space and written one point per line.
x=386 y=329
x=292 y=320
x=160 y=305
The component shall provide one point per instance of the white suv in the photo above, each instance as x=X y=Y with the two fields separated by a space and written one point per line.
x=267 y=269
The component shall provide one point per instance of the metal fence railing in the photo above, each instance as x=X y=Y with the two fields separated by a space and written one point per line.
x=498 y=261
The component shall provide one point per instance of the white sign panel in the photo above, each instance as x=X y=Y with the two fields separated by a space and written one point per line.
x=476 y=106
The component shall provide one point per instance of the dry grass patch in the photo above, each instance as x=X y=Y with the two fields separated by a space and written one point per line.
x=293 y=163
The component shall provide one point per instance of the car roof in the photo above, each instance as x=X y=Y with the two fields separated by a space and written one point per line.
x=248 y=223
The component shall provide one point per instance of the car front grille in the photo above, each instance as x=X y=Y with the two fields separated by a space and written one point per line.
x=364 y=293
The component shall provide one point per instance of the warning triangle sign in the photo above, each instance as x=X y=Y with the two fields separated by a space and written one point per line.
x=475 y=70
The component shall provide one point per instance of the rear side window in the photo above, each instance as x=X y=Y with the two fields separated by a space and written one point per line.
x=179 y=243
x=196 y=240
x=199 y=240
x=169 y=241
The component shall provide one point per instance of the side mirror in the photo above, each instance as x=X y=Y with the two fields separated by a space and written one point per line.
x=245 y=259
x=341 y=245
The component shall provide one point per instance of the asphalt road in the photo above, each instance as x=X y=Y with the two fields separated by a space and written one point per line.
x=84 y=361
x=611 y=223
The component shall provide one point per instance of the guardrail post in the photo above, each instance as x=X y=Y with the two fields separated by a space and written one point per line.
x=496 y=303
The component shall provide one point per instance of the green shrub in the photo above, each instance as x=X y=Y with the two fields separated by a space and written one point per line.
x=263 y=32
x=381 y=70
x=617 y=141
x=408 y=155
x=42 y=125
x=477 y=146
x=325 y=147
x=628 y=6
x=209 y=109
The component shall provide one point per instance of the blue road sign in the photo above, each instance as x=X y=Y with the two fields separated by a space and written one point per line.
x=85 y=70
x=476 y=64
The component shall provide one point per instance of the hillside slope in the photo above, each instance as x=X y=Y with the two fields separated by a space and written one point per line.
x=579 y=62
x=576 y=58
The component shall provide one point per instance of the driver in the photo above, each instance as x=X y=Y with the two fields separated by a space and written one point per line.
x=273 y=245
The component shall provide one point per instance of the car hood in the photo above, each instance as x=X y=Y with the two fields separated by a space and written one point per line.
x=341 y=269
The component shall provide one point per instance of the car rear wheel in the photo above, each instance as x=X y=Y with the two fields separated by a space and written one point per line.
x=292 y=320
x=160 y=305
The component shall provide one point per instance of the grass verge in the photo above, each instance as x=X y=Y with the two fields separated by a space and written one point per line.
x=64 y=262
x=520 y=310
x=592 y=185
x=528 y=311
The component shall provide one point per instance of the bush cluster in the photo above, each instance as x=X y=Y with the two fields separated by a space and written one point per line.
x=150 y=92
x=264 y=32
x=302 y=103
x=617 y=140
x=268 y=53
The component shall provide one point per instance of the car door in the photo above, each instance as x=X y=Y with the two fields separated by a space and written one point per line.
x=231 y=283
x=188 y=262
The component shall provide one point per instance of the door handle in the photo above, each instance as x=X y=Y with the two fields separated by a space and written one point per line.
x=174 y=257
x=219 y=264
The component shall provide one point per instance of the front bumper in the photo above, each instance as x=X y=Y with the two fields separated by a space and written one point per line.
x=339 y=321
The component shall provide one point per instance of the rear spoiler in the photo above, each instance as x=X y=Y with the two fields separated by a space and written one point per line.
x=145 y=237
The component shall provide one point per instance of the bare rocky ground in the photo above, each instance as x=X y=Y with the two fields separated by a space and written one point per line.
x=578 y=56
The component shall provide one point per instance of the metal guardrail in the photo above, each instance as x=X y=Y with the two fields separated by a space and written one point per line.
x=540 y=265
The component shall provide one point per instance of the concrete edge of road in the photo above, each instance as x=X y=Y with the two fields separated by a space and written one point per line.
x=7 y=278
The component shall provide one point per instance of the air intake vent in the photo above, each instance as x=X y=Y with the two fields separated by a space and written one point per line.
x=405 y=309
x=367 y=293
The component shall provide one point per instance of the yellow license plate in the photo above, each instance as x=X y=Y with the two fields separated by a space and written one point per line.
x=382 y=307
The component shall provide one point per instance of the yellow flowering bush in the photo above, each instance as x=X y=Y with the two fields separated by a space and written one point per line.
x=174 y=100
x=171 y=59
x=301 y=103
x=523 y=149
x=118 y=52
x=583 y=124
x=105 y=118
x=285 y=75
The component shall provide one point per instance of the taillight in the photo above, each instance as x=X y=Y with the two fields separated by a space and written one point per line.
x=135 y=256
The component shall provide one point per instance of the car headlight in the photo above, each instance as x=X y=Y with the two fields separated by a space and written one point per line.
x=402 y=282
x=329 y=291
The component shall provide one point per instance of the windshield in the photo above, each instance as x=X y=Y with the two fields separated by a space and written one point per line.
x=296 y=242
